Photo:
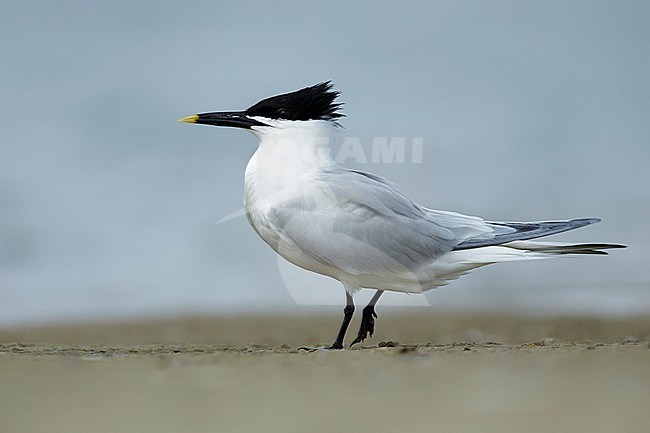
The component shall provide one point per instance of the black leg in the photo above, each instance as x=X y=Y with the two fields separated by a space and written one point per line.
x=348 y=312
x=367 y=327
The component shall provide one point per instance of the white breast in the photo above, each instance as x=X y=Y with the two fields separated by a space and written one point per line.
x=278 y=184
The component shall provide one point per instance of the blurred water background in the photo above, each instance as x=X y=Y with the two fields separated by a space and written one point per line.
x=527 y=111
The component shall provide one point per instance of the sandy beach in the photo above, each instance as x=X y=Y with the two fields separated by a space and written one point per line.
x=420 y=372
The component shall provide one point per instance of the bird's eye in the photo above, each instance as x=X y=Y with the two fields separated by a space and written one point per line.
x=283 y=113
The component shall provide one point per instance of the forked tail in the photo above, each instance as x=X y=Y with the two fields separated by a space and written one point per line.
x=558 y=248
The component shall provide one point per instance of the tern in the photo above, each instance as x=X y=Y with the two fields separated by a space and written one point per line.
x=356 y=227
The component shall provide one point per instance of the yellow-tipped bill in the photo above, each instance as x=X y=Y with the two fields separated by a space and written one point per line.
x=189 y=119
x=234 y=119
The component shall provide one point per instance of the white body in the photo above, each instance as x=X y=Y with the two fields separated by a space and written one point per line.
x=353 y=226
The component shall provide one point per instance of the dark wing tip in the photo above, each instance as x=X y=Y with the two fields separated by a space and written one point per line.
x=581 y=222
x=612 y=246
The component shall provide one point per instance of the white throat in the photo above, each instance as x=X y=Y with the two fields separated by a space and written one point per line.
x=290 y=153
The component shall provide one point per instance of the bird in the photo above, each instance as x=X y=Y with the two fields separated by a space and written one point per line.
x=355 y=226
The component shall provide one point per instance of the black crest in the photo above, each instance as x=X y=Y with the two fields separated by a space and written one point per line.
x=311 y=103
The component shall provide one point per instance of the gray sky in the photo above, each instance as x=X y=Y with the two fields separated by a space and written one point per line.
x=531 y=110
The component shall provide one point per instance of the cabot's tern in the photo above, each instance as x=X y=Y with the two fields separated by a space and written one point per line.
x=355 y=226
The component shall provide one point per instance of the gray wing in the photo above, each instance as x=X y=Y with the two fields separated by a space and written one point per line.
x=387 y=224
x=368 y=227
x=430 y=233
